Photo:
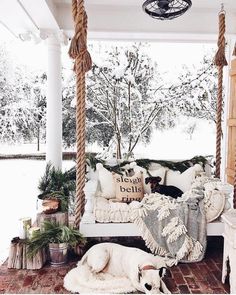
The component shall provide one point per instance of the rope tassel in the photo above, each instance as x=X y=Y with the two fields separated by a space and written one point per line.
x=87 y=61
x=220 y=59
x=73 y=50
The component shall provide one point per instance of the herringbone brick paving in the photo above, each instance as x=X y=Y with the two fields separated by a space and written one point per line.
x=197 y=278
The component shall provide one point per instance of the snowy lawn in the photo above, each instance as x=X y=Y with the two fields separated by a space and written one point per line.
x=174 y=144
x=19 y=180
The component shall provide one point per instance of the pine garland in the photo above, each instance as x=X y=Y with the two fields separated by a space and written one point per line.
x=180 y=165
x=145 y=163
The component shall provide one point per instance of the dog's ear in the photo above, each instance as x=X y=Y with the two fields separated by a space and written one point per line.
x=147 y=180
x=162 y=272
x=158 y=179
x=139 y=273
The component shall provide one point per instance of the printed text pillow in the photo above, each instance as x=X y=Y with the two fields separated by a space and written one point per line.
x=129 y=189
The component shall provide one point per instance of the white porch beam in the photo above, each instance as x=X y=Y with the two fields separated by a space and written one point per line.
x=54 y=103
x=14 y=17
x=42 y=14
x=152 y=37
x=124 y=20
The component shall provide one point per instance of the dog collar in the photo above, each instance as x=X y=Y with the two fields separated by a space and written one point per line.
x=147 y=267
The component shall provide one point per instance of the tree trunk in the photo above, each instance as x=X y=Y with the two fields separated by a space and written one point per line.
x=38 y=139
x=130 y=118
x=118 y=150
x=59 y=217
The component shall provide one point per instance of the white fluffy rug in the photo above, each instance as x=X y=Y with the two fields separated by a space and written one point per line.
x=81 y=280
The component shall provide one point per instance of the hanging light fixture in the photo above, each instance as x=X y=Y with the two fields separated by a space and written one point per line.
x=166 y=9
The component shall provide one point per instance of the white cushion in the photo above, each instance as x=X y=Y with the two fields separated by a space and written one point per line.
x=106 y=181
x=108 y=211
x=214 y=196
x=161 y=171
x=214 y=204
x=183 y=180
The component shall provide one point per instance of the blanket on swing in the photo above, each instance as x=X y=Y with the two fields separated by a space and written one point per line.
x=174 y=227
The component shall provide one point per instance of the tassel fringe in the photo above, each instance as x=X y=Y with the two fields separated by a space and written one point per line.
x=185 y=248
x=220 y=59
x=178 y=231
x=169 y=228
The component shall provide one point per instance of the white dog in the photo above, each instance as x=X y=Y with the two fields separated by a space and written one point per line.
x=144 y=270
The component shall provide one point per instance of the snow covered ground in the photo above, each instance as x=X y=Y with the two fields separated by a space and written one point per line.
x=176 y=144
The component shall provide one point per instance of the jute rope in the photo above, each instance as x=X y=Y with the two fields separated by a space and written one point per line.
x=83 y=63
x=220 y=62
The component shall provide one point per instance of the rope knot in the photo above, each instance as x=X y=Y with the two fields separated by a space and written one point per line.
x=220 y=59
x=77 y=45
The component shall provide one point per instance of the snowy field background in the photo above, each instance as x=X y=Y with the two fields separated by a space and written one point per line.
x=19 y=178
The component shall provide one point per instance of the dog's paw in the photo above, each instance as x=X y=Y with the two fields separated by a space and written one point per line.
x=170 y=262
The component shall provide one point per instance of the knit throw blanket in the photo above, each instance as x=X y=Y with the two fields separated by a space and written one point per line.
x=174 y=227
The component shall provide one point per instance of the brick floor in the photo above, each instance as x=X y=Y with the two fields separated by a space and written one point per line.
x=193 y=278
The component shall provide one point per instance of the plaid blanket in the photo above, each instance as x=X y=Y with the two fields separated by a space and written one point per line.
x=174 y=228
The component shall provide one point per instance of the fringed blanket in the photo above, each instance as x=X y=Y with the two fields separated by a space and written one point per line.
x=175 y=228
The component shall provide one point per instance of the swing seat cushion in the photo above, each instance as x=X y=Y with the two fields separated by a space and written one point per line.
x=106 y=211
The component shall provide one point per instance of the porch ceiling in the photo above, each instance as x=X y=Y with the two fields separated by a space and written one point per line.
x=123 y=19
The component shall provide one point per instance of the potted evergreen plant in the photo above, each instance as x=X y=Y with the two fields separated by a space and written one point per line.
x=56 y=189
x=57 y=238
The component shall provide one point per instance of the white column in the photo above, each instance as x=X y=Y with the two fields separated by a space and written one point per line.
x=54 y=103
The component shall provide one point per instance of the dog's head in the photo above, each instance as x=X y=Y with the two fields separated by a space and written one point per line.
x=152 y=179
x=154 y=183
x=151 y=281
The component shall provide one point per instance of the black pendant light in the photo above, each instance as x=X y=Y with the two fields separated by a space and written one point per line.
x=166 y=9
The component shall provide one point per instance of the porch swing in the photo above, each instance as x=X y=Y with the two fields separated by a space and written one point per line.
x=83 y=63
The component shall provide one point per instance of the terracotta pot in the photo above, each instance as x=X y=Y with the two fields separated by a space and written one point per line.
x=50 y=206
x=58 y=253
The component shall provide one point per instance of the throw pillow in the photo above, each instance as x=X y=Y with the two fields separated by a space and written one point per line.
x=214 y=204
x=106 y=181
x=129 y=189
x=214 y=199
x=183 y=180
